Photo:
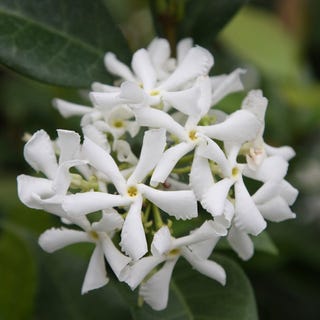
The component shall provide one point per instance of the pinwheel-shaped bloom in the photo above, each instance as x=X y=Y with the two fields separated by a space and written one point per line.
x=239 y=127
x=99 y=233
x=195 y=248
x=47 y=193
x=131 y=192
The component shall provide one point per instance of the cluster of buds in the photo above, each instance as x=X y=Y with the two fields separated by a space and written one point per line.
x=191 y=166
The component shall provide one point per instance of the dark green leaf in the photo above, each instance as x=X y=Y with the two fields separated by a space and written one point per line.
x=194 y=296
x=17 y=278
x=201 y=20
x=60 y=42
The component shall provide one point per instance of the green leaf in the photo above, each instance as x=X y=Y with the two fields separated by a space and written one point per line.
x=259 y=38
x=203 y=19
x=264 y=243
x=17 y=278
x=194 y=296
x=60 y=42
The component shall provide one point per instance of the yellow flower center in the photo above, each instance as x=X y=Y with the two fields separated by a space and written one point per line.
x=193 y=135
x=235 y=171
x=94 y=235
x=132 y=191
x=118 y=124
x=174 y=252
x=154 y=93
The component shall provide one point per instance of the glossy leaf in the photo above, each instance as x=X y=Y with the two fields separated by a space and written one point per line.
x=60 y=42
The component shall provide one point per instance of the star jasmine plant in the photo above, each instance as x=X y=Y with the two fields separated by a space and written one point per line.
x=156 y=150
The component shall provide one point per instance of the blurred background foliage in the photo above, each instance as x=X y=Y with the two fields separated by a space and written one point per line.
x=278 y=42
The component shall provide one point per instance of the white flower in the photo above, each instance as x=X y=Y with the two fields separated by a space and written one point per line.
x=167 y=249
x=131 y=192
x=100 y=234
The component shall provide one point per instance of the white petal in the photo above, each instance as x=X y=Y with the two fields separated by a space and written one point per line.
x=212 y=151
x=186 y=101
x=267 y=191
x=109 y=222
x=97 y=86
x=204 y=248
x=87 y=202
x=272 y=168
x=116 y=67
x=209 y=268
x=143 y=68
x=276 y=209
x=285 y=152
x=183 y=47
x=133 y=239
x=225 y=84
x=247 y=216
x=256 y=103
x=241 y=243
x=106 y=99
x=54 y=239
x=180 y=204
x=39 y=153
x=131 y=93
x=159 y=51
x=200 y=176
x=288 y=192
x=168 y=161
x=153 y=144
x=204 y=102
x=124 y=153
x=239 y=127
x=150 y=117
x=214 y=199
x=117 y=260
x=155 y=291
x=103 y=162
x=68 y=109
x=28 y=186
x=95 y=135
x=139 y=270
x=69 y=145
x=197 y=62
x=161 y=242
x=96 y=275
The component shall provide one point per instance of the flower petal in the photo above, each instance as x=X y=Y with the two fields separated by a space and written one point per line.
x=168 y=161
x=186 y=101
x=133 y=239
x=159 y=51
x=288 y=192
x=155 y=291
x=106 y=99
x=208 y=268
x=256 y=103
x=39 y=153
x=133 y=275
x=54 y=239
x=180 y=204
x=241 y=243
x=68 y=109
x=200 y=176
x=285 y=152
x=267 y=191
x=117 y=68
x=225 y=84
x=100 y=87
x=272 y=168
x=102 y=161
x=183 y=47
x=197 y=62
x=124 y=152
x=143 y=68
x=109 y=222
x=247 y=216
x=69 y=145
x=238 y=127
x=276 y=209
x=150 y=117
x=95 y=135
x=153 y=144
x=214 y=199
x=96 y=275
x=161 y=242
x=116 y=259
x=87 y=202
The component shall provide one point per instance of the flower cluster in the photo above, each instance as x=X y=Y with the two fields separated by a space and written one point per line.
x=192 y=164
